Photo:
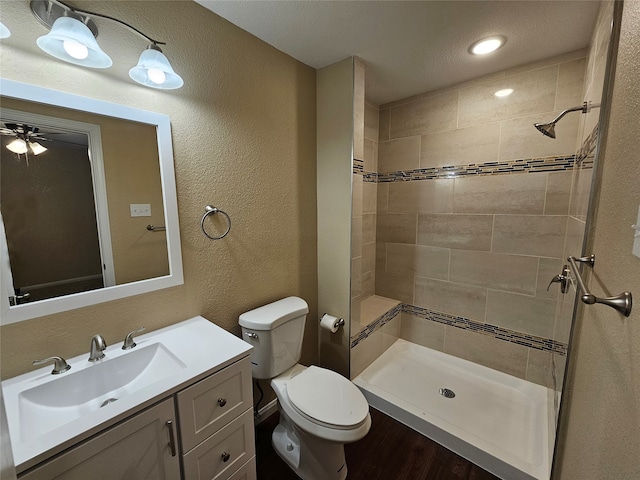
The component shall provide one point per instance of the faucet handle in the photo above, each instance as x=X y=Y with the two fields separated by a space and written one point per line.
x=128 y=340
x=60 y=366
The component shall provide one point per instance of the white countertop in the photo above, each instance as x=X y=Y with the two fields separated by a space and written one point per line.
x=200 y=345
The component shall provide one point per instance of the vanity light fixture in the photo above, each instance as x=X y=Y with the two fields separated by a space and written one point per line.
x=73 y=39
x=505 y=92
x=154 y=70
x=487 y=45
x=4 y=31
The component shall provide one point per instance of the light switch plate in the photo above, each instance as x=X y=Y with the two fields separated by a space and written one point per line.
x=636 y=238
x=140 y=209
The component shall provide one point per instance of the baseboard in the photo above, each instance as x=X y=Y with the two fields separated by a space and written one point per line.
x=266 y=411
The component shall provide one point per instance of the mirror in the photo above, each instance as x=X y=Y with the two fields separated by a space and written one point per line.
x=85 y=202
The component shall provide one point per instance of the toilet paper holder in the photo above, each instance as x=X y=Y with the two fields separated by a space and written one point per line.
x=337 y=324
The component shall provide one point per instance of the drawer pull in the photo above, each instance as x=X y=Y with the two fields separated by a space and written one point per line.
x=225 y=456
x=172 y=438
x=222 y=402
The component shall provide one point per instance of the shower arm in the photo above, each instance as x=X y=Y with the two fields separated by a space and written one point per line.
x=584 y=108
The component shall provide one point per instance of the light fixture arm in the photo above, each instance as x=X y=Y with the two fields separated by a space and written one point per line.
x=85 y=18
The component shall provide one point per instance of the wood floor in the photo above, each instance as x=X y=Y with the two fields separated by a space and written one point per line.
x=391 y=451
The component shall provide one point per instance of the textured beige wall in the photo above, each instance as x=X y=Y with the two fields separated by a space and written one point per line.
x=602 y=427
x=244 y=137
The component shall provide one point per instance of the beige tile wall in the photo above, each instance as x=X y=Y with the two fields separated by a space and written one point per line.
x=480 y=247
x=364 y=208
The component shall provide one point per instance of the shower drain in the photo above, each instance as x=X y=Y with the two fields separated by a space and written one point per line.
x=108 y=401
x=445 y=392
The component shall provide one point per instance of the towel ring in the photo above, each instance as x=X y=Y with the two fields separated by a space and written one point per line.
x=212 y=211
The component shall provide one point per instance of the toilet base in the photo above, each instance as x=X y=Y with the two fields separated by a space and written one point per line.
x=311 y=458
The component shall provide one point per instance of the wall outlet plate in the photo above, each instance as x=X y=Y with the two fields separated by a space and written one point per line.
x=140 y=209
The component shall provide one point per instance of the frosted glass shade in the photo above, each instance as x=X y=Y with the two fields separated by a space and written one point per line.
x=4 y=31
x=73 y=32
x=154 y=70
x=36 y=148
x=18 y=146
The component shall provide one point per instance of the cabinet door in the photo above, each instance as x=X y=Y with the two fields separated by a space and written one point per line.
x=137 y=449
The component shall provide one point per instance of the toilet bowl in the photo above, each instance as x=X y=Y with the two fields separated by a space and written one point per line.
x=320 y=411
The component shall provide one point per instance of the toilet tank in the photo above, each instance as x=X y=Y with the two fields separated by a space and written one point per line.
x=275 y=331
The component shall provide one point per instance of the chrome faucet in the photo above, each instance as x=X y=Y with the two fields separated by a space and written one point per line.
x=128 y=343
x=98 y=345
x=60 y=366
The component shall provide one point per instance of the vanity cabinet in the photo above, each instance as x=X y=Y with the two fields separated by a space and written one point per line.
x=138 y=448
x=203 y=432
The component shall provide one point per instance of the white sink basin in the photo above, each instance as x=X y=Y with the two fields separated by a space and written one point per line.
x=49 y=413
x=47 y=406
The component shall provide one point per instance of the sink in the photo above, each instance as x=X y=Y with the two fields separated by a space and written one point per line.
x=46 y=414
x=48 y=406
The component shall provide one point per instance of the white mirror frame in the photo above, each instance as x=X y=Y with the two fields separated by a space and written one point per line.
x=23 y=91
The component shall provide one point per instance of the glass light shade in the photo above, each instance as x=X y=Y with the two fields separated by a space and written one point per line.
x=36 y=148
x=73 y=32
x=4 y=31
x=18 y=146
x=152 y=66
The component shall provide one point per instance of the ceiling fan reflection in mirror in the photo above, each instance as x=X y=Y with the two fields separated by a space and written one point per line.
x=26 y=139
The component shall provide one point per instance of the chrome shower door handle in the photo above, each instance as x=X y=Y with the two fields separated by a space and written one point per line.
x=562 y=279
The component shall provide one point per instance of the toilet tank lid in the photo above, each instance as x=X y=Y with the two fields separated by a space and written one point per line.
x=274 y=314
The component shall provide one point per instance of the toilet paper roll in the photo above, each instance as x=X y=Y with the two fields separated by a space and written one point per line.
x=329 y=322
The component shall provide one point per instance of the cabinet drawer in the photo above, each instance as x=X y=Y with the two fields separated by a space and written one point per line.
x=211 y=403
x=225 y=452
x=246 y=472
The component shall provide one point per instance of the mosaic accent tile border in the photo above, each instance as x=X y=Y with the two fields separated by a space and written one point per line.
x=358 y=166
x=584 y=159
x=377 y=324
x=511 y=336
x=523 y=165
x=586 y=154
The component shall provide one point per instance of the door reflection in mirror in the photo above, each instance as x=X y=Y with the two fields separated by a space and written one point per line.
x=49 y=216
x=66 y=210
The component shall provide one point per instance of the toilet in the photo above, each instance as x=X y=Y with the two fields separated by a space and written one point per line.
x=320 y=410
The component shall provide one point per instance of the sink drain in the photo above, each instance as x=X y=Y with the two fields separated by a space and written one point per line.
x=108 y=401
x=445 y=392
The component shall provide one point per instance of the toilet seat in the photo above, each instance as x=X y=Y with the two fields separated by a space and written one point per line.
x=327 y=398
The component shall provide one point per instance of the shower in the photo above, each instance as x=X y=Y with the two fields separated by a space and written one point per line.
x=548 y=129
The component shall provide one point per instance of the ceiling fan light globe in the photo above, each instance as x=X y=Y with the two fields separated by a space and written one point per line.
x=18 y=146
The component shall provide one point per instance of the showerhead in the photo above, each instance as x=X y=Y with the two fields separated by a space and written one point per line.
x=548 y=129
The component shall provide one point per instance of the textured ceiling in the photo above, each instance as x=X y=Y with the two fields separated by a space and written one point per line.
x=415 y=46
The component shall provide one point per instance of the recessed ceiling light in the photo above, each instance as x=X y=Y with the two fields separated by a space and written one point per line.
x=487 y=45
x=505 y=92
